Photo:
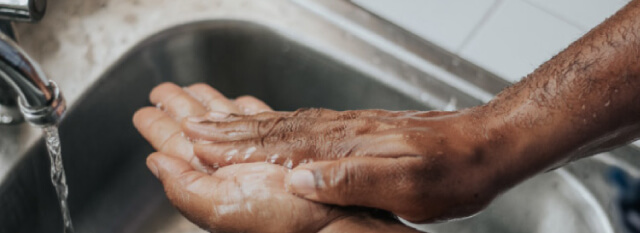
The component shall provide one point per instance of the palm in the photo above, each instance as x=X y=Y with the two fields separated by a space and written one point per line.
x=237 y=198
x=250 y=198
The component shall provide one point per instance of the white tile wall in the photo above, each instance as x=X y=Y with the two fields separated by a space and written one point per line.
x=445 y=22
x=585 y=14
x=517 y=38
x=508 y=37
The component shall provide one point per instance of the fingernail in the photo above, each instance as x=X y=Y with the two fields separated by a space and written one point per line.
x=302 y=182
x=153 y=167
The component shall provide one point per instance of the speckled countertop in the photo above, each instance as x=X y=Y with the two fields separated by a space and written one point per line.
x=78 y=40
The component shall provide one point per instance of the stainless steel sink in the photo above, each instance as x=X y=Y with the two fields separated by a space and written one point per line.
x=112 y=191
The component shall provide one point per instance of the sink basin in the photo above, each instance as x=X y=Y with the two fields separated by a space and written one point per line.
x=111 y=189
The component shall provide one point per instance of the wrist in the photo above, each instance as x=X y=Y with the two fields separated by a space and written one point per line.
x=503 y=146
x=518 y=144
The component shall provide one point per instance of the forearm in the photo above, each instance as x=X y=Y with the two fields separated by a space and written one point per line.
x=366 y=224
x=584 y=100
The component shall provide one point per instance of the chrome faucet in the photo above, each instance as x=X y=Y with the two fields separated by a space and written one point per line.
x=23 y=85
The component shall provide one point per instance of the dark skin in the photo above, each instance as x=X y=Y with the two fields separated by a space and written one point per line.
x=429 y=166
x=249 y=197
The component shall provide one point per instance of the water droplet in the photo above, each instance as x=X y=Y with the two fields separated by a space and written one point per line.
x=273 y=158
x=232 y=152
x=288 y=164
x=608 y=103
x=247 y=154
x=160 y=106
x=192 y=140
x=452 y=105
x=249 y=207
x=201 y=141
x=6 y=119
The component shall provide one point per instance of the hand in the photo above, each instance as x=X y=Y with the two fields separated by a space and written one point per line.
x=422 y=166
x=239 y=198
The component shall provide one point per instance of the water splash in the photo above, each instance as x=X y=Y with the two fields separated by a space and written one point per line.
x=57 y=174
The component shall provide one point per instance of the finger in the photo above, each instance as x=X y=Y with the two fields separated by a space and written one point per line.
x=155 y=126
x=163 y=133
x=176 y=101
x=251 y=105
x=383 y=183
x=242 y=127
x=269 y=123
x=212 y=99
x=288 y=151
x=189 y=190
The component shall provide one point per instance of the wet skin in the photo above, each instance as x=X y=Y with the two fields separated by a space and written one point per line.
x=248 y=197
x=427 y=166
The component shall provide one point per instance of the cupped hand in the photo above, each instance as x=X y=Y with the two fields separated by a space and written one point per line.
x=239 y=198
x=247 y=197
x=422 y=166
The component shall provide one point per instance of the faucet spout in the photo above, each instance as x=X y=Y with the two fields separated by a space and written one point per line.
x=39 y=99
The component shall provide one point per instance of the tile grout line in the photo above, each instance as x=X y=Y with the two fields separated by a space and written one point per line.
x=496 y=4
x=556 y=15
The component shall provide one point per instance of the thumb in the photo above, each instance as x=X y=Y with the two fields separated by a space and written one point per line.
x=383 y=183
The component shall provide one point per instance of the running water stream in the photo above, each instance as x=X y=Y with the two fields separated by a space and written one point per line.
x=57 y=174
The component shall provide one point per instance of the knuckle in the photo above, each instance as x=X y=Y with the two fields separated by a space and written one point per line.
x=348 y=115
x=345 y=181
x=167 y=144
x=302 y=112
x=266 y=128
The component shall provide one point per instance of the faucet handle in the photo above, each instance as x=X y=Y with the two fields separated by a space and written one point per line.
x=22 y=10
